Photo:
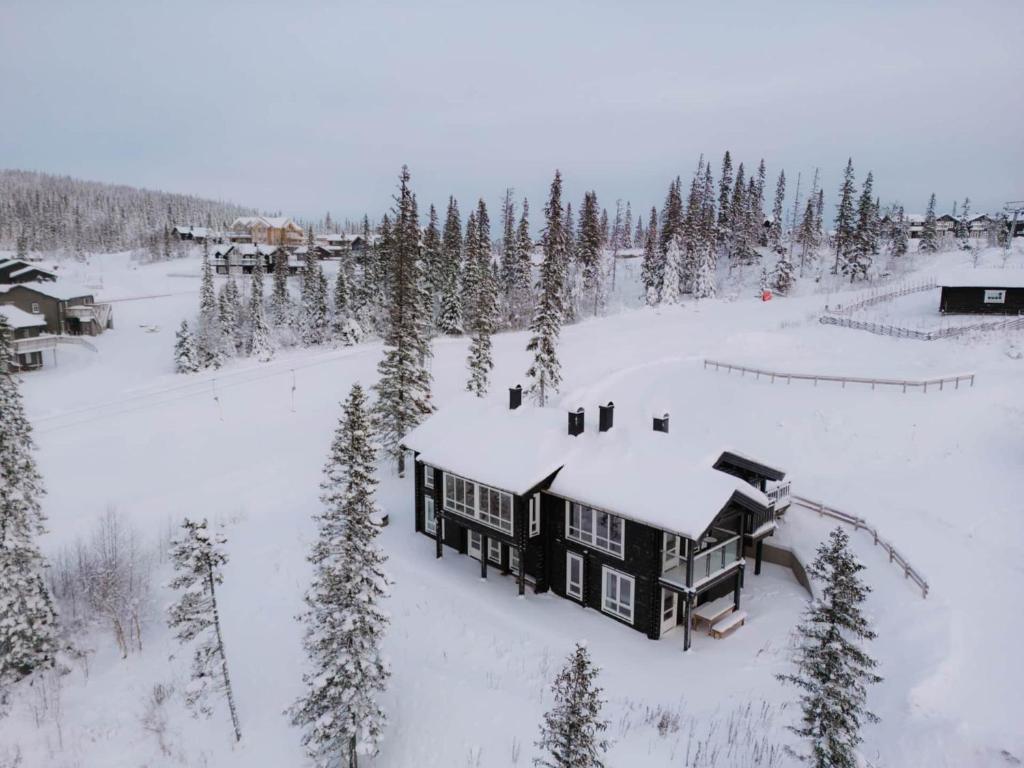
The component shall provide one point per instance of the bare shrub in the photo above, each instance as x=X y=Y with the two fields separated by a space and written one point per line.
x=154 y=716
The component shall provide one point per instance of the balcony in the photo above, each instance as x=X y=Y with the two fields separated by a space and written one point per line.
x=778 y=497
x=707 y=565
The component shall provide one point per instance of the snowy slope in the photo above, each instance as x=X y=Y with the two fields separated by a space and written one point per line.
x=938 y=473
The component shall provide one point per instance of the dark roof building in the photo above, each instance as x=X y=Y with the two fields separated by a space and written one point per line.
x=983 y=292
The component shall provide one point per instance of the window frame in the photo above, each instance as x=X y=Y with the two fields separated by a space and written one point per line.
x=36 y=309
x=489 y=506
x=569 y=557
x=430 y=514
x=428 y=476
x=613 y=605
x=587 y=532
x=534 y=516
x=492 y=545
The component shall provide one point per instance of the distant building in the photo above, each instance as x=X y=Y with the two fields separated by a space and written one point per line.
x=983 y=292
x=241 y=258
x=19 y=271
x=266 y=230
x=64 y=307
x=27 y=344
x=194 y=234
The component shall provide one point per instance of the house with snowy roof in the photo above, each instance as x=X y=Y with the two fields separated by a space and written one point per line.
x=268 y=230
x=65 y=307
x=20 y=271
x=26 y=338
x=194 y=234
x=241 y=258
x=630 y=520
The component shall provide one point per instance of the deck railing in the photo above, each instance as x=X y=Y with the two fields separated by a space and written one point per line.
x=877 y=297
x=923 y=384
x=778 y=497
x=860 y=524
x=709 y=562
x=909 y=333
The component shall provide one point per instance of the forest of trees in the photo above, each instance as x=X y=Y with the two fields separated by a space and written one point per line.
x=40 y=212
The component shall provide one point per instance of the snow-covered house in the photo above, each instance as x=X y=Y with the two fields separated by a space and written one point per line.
x=629 y=520
x=268 y=230
x=194 y=234
x=65 y=307
x=982 y=292
x=19 y=271
x=241 y=258
x=27 y=341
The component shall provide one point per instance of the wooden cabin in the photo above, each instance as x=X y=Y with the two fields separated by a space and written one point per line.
x=629 y=521
x=983 y=292
x=66 y=308
x=266 y=230
x=27 y=339
x=18 y=271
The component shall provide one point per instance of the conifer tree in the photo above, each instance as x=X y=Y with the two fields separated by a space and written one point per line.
x=652 y=271
x=833 y=669
x=963 y=224
x=229 y=308
x=314 y=320
x=28 y=622
x=508 y=253
x=900 y=236
x=807 y=236
x=571 y=278
x=845 y=219
x=571 y=734
x=186 y=357
x=863 y=247
x=725 y=200
x=198 y=559
x=433 y=273
x=209 y=338
x=344 y=619
x=739 y=248
x=672 y=286
x=929 y=231
x=346 y=328
x=782 y=277
x=403 y=391
x=545 y=372
x=450 y=314
x=775 y=230
x=280 y=301
x=260 y=344
x=588 y=251
x=482 y=301
x=627 y=227
x=522 y=278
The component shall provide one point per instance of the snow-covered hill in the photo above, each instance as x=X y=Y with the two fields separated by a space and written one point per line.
x=939 y=473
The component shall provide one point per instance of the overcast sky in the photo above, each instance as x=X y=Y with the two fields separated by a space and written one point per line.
x=308 y=107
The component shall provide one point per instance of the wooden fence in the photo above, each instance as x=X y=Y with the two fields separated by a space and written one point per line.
x=909 y=333
x=921 y=384
x=882 y=296
x=859 y=523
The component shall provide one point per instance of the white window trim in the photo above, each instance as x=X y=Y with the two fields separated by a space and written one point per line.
x=428 y=500
x=671 y=560
x=493 y=544
x=35 y=308
x=569 y=557
x=428 y=476
x=534 y=525
x=477 y=513
x=593 y=542
x=514 y=560
x=605 y=571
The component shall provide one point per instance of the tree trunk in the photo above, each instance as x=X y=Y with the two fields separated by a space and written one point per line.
x=223 y=658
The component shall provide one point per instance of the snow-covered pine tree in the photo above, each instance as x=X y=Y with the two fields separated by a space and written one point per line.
x=28 y=622
x=186 y=356
x=198 y=559
x=508 y=255
x=280 y=301
x=775 y=230
x=671 y=292
x=449 y=319
x=929 y=231
x=571 y=732
x=627 y=227
x=521 y=304
x=725 y=201
x=571 y=280
x=782 y=277
x=739 y=234
x=345 y=623
x=403 y=391
x=846 y=223
x=639 y=236
x=652 y=270
x=314 y=317
x=346 y=329
x=209 y=336
x=832 y=668
x=432 y=273
x=229 y=311
x=692 y=221
x=963 y=225
x=858 y=260
x=807 y=235
x=588 y=252
x=900 y=236
x=545 y=372
x=704 y=283
x=481 y=302
x=260 y=343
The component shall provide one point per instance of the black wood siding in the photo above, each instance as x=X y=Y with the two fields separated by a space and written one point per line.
x=959 y=300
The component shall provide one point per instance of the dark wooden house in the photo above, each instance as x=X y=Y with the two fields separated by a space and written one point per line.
x=983 y=292
x=27 y=339
x=64 y=307
x=14 y=271
x=629 y=521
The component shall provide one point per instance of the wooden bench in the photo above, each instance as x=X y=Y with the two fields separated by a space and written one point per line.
x=711 y=612
x=728 y=624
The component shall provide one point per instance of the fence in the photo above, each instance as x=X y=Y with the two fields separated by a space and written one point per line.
x=859 y=523
x=908 y=333
x=922 y=384
x=877 y=298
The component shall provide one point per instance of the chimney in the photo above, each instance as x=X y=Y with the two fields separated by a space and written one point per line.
x=576 y=422
x=515 y=397
x=606 y=414
x=661 y=423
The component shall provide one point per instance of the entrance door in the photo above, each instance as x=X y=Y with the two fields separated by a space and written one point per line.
x=573 y=575
x=475 y=545
x=669 y=611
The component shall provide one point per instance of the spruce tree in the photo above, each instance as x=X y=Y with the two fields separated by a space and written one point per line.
x=280 y=301
x=314 y=320
x=858 y=260
x=344 y=620
x=198 y=559
x=739 y=230
x=627 y=227
x=403 y=390
x=571 y=278
x=28 y=622
x=673 y=283
x=963 y=224
x=482 y=302
x=508 y=254
x=807 y=235
x=186 y=356
x=229 y=308
x=210 y=337
x=929 y=232
x=346 y=328
x=775 y=230
x=522 y=278
x=449 y=319
x=900 y=236
x=432 y=264
x=725 y=200
x=588 y=251
x=832 y=668
x=545 y=373
x=845 y=219
x=652 y=271
x=782 y=278
x=571 y=731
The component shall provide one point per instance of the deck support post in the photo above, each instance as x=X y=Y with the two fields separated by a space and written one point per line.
x=687 y=620
x=521 y=576
x=758 y=555
x=483 y=556
x=736 y=590
x=439 y=541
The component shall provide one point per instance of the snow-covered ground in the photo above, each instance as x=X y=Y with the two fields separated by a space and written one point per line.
x=938 y=473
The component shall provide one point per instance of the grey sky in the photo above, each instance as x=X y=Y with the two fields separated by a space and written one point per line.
x=305 y=107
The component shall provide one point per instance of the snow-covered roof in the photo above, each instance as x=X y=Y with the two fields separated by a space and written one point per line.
x=277 y=222
x=986 y=277
x=31 y=268
x=194 y=231
x=914 y=218
x=59 y=290
x=18 y=318
x=660 y=479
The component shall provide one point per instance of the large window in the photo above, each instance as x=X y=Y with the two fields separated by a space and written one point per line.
x=430 y=516
x=673 y=551
x=428 y=476
x=595 y=528
x=573 y=575
x=617 y=594
x=491 y=507
x=534 y=515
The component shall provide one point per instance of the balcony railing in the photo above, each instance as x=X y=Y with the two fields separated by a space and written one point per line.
x=711 y=562
x=778 y=497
